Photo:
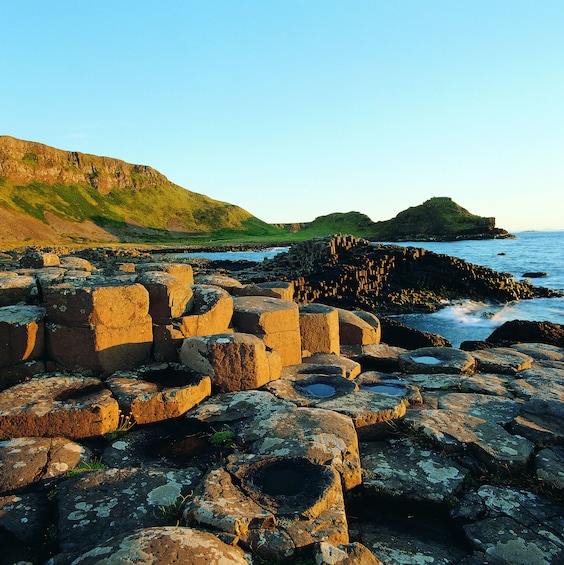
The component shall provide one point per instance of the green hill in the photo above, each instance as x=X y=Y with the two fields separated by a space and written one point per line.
x=438 y=219
x=60 y=193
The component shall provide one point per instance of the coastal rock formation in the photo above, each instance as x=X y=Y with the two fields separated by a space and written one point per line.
x=353 y=273
x=361 y=452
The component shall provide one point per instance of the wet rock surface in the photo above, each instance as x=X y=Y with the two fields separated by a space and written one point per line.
x=375 y=453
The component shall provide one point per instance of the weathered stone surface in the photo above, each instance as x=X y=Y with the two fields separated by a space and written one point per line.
x=164 y=545
x=76 y=263
x=402 y=469
x=369 y=411
x=106 y=503
x=181 y=271
x=541 y=419
x=73 y=407
x=498 y=410
x=22 y=334
x=270 y=426
x=501 y=360
x=16 y=289
x=353 y=330
x=275 y=321
x=481 y=383
x=310 y=389
x=387 y=384
x=275 y=505
x=96 y=302
x=540 y=351
x=319 y=328
x=28 y=460
x=98 y=348
x=437 y=360
x=517 y=527
x=222 y=281
x=158 y=392
x=355 y=553
x=371 y=319
x=169 y=297
x=234 y=361
x=211 y=312
x=549 y=466
x=540 y=383
x=376 y=357
x=335 y=363
x=500 y=451
x=26 y=522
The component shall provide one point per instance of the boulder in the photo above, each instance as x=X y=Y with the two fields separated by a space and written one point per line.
x=234 y=361
x=275 y=321
x=523 y=331
x=22 y=334
x=76 y=263
x=397 y=334
x=319 y=328
x=53 y=406
x=211 y=312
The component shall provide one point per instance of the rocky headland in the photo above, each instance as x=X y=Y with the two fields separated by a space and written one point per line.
x=157 y=411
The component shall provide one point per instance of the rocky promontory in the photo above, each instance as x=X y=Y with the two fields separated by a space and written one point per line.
x=153 y=411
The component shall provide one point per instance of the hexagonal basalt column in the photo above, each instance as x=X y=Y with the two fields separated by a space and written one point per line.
x=275 y=321
x=434 y=360
x=73 y=407
x=319 y=329
x=158 y=392
x=210 y=313
x=235 y=361
x=276 y=505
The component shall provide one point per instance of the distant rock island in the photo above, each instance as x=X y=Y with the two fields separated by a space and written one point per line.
x=437 y=219
x=53 y=197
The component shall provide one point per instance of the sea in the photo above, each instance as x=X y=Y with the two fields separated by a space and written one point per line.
x=461 y=320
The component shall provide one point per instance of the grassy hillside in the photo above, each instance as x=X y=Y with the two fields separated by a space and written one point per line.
x=438 y=217
x=130 y=201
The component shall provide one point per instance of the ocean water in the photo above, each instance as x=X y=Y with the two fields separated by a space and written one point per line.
x=528 y=252
x=533 y=251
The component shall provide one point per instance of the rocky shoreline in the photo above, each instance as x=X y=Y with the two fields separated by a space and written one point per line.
x=163 y=412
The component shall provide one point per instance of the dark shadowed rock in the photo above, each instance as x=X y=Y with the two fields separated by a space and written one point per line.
x=523 y=331
x=396 y=333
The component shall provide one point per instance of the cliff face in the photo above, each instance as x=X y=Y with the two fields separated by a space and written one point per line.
x=48 y=196
x=26 y=161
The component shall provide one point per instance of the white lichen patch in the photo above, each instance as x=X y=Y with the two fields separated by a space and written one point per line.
x=164 y=495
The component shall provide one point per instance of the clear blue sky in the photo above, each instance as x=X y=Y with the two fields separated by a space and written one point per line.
x=298 y=108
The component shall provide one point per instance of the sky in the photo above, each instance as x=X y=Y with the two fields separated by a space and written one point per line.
x=296 y=109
